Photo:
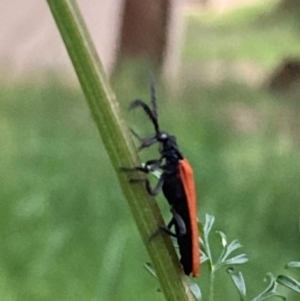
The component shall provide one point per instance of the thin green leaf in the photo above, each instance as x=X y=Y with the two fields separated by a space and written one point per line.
x=194 y=287
x=202 y=242
x=289 y=282
x=148 y=266
x=175 y=242
x=204 y=257
x=224 y=244
x=239 y=259
x=238 y=280
x=155 y=173
x=234 y=245
x=269 y=295
x=293 y=264
x=203 y=245
x=209 y=221
x=270 y=291
x=223 y=238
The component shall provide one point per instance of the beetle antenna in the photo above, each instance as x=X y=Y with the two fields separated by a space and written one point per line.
x=153 y=95
x=137 y=103
x=135 y=134
x=145 y=142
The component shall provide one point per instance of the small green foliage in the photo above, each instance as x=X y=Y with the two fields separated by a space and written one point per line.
x=270 y=291
x=225 y=259
x=292 y=264
x=149 y=267
x=288 y=281
x=238 y=280
x=194 y=287
x=227 y=249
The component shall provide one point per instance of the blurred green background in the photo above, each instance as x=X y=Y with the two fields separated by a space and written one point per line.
x=66 y=230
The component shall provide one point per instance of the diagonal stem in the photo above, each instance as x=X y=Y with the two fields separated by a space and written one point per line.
x=118 y=143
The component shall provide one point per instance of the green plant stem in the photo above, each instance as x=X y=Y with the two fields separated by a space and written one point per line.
x=118 y=143
x=211 y=286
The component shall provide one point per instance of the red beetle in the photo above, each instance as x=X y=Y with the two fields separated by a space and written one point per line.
x=178 y=185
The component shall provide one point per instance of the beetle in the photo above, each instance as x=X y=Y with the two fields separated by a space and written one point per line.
x=178 y=186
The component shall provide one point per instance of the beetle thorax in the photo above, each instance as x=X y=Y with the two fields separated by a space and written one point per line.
x=168 y=147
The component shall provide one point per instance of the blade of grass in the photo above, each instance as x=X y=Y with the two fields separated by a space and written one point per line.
x=115 y=137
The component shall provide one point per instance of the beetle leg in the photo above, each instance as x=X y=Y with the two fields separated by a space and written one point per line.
x=144 y=142
x=136 y=168
x=176 y=219
x=165 y=229
x=153 y=165
x=168 y=231
x=171 y=223
x=157 y=188
x=149 y=166
x=179 y=221
x=150 y=190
